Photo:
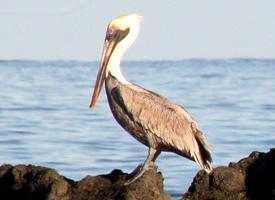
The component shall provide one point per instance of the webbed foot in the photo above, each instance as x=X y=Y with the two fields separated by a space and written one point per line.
x=139 y=171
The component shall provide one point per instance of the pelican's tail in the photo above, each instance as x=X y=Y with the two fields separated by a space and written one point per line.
x=203 y=156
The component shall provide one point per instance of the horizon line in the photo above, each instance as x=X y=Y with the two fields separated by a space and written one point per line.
x=135 y=60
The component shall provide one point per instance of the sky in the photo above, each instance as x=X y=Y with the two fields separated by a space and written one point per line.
x=170 y=30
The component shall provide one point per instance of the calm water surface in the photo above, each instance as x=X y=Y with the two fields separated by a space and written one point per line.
x=45 y=118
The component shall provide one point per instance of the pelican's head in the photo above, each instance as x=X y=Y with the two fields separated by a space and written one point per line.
x=124 y=30
x=121 y=33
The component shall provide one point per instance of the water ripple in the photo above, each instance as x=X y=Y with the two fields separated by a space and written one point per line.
x=44 y=114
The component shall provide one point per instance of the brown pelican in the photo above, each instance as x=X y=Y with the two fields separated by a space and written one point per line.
x=150 y=118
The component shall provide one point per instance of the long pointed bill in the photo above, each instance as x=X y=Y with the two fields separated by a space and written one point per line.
x=107 y=52
x=111 y=40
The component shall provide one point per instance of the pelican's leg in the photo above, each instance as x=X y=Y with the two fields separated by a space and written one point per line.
x=149 y=163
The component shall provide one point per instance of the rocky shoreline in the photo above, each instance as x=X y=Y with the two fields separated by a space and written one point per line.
x=251 y=178
x=41 y=183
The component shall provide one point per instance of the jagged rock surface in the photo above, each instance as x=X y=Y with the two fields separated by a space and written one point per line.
x=41 y=183
x=252 y=178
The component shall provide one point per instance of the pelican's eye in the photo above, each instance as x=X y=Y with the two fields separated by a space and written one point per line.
x=118 y=35
x=111 y=34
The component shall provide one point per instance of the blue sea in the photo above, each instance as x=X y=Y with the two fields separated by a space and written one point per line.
x=45 y=117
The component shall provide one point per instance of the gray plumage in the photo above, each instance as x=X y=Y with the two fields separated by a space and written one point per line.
x=156 y=122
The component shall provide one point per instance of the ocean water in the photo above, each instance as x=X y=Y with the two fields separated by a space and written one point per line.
x=45 y=117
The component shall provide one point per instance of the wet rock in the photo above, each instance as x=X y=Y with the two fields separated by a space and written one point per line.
x=252 y=178
x=31 y=182
x=34 y=182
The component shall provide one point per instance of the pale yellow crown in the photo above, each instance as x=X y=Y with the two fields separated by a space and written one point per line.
x=126 y=21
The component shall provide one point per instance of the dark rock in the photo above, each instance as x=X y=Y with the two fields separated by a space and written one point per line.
x=41 y=183
x=252 y=178
x=31 y=182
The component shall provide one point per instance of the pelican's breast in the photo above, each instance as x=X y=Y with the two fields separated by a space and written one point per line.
x=120 y=112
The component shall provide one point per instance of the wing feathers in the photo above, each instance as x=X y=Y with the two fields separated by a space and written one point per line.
x=168 y=126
